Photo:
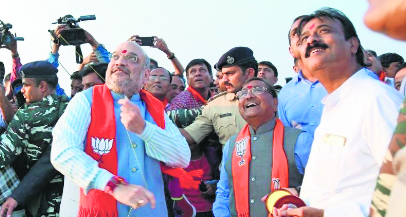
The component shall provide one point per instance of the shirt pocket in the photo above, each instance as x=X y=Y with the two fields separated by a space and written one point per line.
x=226 y=125
x=330 y=161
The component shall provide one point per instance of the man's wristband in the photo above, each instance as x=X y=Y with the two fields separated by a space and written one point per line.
x=15 y=56
x=113 y=183
x=172 y=56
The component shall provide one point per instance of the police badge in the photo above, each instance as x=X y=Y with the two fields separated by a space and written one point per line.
x=230 y=60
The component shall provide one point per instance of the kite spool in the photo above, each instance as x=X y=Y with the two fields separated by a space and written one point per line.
x=279 y=197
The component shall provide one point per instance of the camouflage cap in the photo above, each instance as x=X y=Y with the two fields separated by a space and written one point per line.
x=235 y=56
x=38 y=69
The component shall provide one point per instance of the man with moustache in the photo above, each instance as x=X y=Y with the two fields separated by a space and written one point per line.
x=388 y=200
x=112 y=139
x=299 y=103
x=262 y=157
x=221 y=112
x=358 y=119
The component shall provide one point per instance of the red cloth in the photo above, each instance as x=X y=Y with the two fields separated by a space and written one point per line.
x=102 y=127
x=194 y=195
x=240 y=164
x=165 y=102
x=196 y=95
x=382 y=76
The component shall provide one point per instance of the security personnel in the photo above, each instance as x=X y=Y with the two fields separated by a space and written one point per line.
x=221 y=113
x=26 y=146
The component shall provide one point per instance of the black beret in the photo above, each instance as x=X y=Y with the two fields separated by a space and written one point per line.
x=38 y=69
x=235 y=56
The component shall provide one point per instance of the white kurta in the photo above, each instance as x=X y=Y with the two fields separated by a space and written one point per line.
x=356 y=127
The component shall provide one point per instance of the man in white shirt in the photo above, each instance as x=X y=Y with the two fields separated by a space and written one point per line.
x=357 y=122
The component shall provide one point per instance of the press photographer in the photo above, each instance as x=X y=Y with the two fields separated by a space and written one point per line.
x=68 y=32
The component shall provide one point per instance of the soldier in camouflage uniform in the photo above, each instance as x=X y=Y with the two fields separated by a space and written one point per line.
x=26 y=146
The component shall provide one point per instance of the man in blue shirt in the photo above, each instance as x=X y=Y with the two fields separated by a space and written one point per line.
x=300 y=100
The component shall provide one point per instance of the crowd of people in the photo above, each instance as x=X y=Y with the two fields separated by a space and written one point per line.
x=135 y=139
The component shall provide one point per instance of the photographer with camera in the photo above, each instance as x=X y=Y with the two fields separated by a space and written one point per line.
x=8 y=102
x=99 y=54
x=99 y=51
x=162 y=46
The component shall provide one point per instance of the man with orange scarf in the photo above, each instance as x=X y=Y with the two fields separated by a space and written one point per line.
x=112 y=139
x=262 y=157
x=206 y=155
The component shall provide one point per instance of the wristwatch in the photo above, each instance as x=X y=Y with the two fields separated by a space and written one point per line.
x=172 y=56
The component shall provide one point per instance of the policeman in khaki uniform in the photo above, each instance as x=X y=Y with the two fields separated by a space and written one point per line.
x=221 y=113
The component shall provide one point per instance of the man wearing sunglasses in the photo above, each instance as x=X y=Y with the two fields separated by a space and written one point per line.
x=262 y=157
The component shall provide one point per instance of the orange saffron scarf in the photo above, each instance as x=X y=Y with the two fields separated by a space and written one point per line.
x=101 y=138
x=196 y=95
x=240 y=164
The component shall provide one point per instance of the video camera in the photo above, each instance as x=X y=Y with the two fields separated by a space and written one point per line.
x=73 y=35
x=6 y=37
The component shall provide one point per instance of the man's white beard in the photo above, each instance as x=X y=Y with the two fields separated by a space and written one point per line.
x=127 y=87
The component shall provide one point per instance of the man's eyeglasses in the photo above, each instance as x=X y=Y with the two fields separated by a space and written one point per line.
x=254 y=90
x=129 y=58
x=154 y=77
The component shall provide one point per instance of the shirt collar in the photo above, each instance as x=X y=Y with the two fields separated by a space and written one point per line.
x=333 y=98
x=300 y=77
x=231 y=96
x=117 y=96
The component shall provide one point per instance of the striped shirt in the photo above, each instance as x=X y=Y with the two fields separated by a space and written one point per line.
x=69 y=134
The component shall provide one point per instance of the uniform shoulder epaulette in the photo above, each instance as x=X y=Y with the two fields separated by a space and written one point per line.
x=217 y=96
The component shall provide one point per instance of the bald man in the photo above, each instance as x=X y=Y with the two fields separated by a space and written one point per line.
x=112 y=138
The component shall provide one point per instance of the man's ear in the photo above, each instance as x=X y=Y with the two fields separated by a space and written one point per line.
x=291 y=52
x=250 y=72
x=43 y=86
x=147 y=72
x=275 y=101
x=354 y=44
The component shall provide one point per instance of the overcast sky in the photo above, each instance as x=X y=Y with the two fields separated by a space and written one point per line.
x=192 y=29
